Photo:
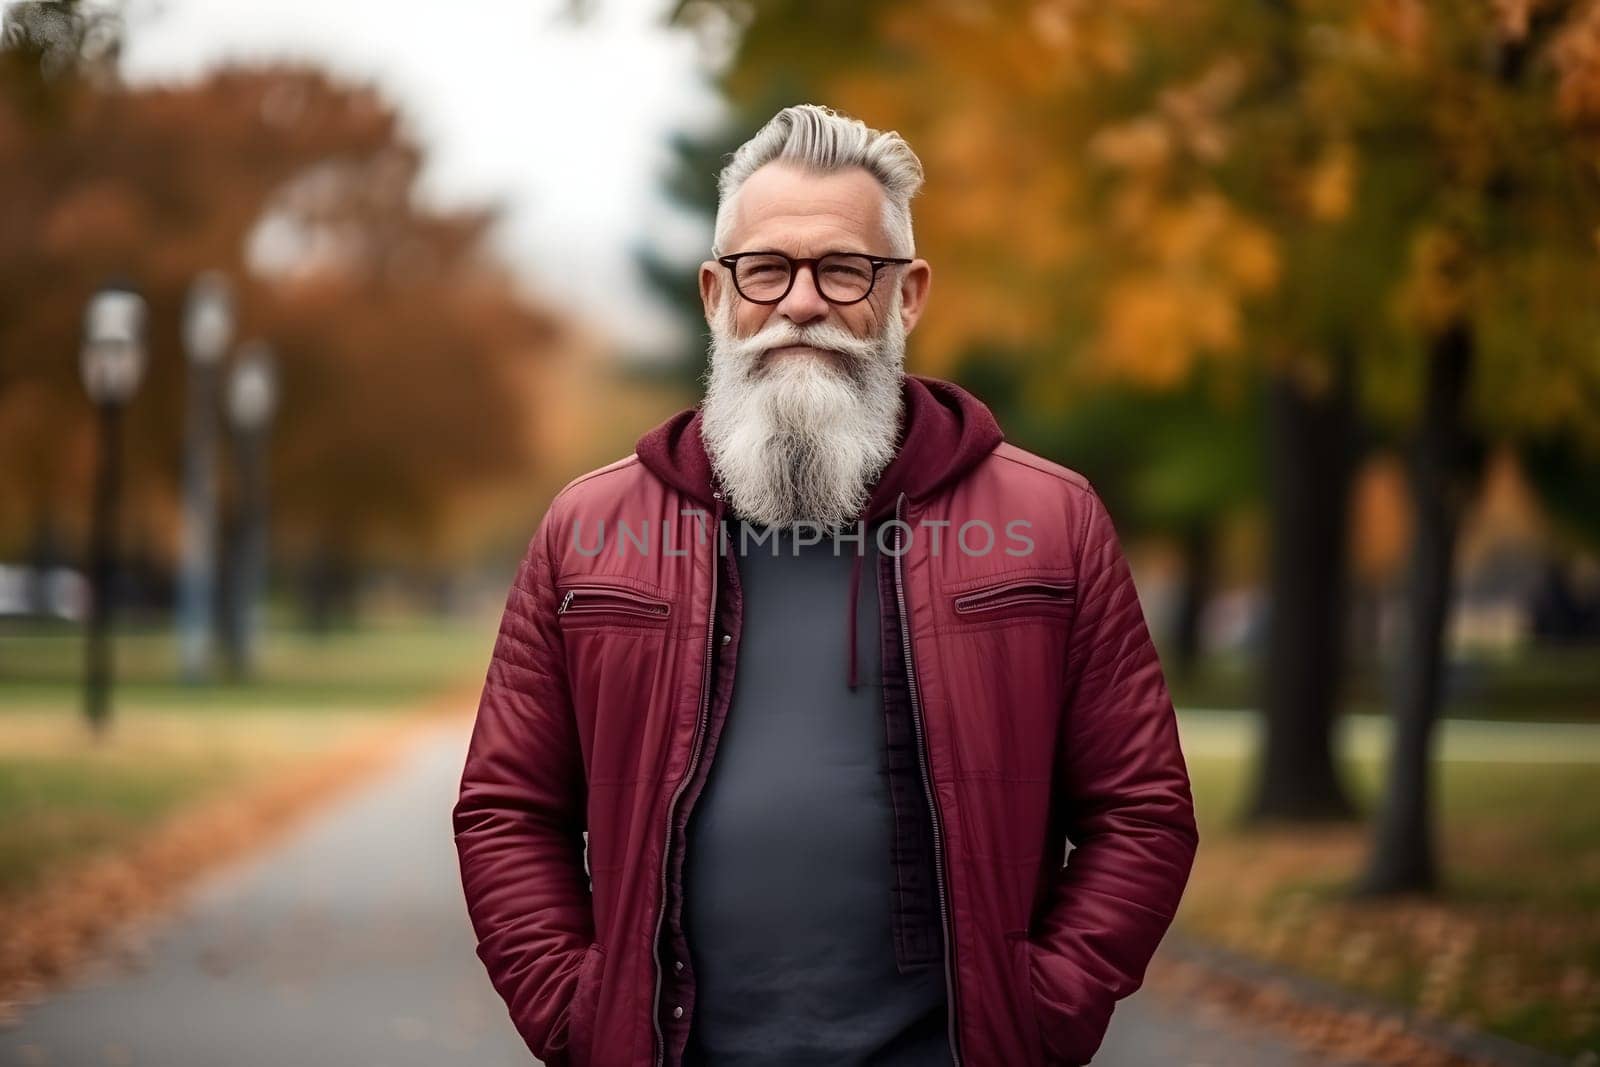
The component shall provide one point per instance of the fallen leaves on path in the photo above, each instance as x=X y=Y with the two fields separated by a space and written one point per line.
x=1322 y=1030
x=1478 y=953
x=46 y=935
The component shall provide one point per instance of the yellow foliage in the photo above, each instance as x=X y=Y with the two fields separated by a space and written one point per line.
x=1090 y=174
x=1400 y=25
x=1199 y=263
x=1143 y=144
x=1576 y=54
x=1330 y=183
x=1153 y=328
x=1195 y=110
x=1144 y=334
x=1511 y=18
x=1380 y=519
x=1437 y=288
x=1207 y=236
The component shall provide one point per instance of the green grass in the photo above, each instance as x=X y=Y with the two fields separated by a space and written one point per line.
x=65 y=796
x=1538 y=684
x=55 y=810
x=371 y=666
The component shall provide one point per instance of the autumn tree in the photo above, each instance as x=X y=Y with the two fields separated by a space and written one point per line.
x=1498 y=104
x=406 y=350
x=1078 y=252
x=1378 y=213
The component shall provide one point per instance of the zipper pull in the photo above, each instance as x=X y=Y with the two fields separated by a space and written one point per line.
x=565 y=601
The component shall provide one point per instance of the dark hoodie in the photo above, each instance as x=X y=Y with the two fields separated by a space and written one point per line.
x=944 y=432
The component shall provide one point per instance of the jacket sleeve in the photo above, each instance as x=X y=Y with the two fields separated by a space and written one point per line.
x=1123 y=796
x=520 y=816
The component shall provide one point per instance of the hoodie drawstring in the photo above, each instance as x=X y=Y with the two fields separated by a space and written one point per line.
x=855 y=585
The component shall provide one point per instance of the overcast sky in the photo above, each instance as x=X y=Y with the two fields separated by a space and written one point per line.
x=567 y=123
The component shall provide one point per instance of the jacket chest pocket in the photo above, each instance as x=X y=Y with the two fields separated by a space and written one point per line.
x=1015 y=597
x=589 y=603
x=621 y=653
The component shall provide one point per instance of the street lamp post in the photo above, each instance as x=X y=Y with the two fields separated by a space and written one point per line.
x=252 y=399
x=207 y=328
x=112 y=364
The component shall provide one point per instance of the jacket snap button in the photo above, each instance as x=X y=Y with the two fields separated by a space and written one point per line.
x=677 y=1013
x=726 y=638
x=677 y=965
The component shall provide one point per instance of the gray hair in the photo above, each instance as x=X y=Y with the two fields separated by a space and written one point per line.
x=824 y=141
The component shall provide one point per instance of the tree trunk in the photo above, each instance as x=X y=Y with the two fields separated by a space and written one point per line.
x=1402 y=857
x=328 y=585
x=1199 y=552
x=1309 y=464
x=45 y=554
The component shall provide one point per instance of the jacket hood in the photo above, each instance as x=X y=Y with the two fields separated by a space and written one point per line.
x=944 y=432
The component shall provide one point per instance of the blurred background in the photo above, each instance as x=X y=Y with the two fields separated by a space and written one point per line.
x=307 y=309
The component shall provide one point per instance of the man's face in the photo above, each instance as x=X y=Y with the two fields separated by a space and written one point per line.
x=783 y=208
x=802 y=403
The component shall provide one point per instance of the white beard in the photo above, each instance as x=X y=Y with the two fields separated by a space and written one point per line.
x=801 y=440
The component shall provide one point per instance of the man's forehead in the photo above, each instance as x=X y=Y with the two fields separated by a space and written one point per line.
x=802 y=213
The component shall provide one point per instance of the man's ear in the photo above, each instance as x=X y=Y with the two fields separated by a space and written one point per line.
x=914 y=285
x=710 y=287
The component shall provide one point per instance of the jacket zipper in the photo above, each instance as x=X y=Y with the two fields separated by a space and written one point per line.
x=609 y=598
x=694 y=759
x=927 y=788
x=1018 y=591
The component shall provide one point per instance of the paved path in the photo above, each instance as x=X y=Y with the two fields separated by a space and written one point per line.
x=347 y=945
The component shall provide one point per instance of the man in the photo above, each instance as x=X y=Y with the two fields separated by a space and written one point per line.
x=822 y=833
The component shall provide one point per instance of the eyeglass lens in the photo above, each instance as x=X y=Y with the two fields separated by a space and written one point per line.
x=841 y=276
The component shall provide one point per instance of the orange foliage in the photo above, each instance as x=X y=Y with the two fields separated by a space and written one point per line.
x=397 y=334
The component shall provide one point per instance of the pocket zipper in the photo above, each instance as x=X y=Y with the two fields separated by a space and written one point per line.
x=609 y=598
x=1017 y=591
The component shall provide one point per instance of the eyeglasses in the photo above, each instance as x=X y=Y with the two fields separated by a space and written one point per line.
x=841 y=277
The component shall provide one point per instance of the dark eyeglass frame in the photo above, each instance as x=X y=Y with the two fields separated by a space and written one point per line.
x=878 y=263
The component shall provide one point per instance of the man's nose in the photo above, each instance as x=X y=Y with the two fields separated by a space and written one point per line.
x=804 y=302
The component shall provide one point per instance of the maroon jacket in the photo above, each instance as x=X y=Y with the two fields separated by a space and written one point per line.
x=1035 y=703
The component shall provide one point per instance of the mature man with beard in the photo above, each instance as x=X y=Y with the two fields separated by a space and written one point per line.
x=703 y=818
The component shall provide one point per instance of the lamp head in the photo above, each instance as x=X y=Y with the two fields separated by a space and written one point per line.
x=112 y=359
x=253 y=387
x=208 y=318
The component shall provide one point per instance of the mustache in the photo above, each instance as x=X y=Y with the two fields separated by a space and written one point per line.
x=783 y=333
x=855 y=357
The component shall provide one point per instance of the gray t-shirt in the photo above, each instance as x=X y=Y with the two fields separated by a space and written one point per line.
x=788 y=877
